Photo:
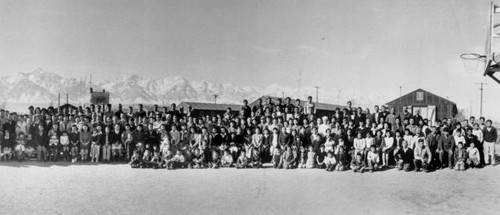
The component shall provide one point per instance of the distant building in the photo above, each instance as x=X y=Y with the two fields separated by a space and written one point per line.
x=322 y=109
x=203 y=109
x=431 y=106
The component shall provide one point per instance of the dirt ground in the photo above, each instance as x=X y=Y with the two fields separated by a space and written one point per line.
x=62 y=188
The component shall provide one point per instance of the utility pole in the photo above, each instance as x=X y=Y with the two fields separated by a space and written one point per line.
x=481 y=102
x=215 y=98
x=67 y=99
x=400 y=91
x=317 y=88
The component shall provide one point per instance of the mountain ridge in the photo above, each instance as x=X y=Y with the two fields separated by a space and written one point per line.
x=41 y=86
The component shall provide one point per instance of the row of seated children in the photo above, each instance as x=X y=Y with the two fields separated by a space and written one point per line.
x=15 y=148
x=198 y=159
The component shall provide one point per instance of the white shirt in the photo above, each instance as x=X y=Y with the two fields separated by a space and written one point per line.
x=275 y=140
x=459 y=139
x=479 y=134
x=369 y=142
x=359 y=144
x=322 y=129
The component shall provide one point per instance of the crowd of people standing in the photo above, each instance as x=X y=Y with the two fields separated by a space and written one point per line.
x=285 y=134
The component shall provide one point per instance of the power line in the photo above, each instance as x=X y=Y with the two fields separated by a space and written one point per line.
x=481 y=102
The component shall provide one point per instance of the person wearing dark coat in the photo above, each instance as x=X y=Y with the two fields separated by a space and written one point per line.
x=405 y=158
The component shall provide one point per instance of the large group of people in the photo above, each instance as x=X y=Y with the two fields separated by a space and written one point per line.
x=282 y=134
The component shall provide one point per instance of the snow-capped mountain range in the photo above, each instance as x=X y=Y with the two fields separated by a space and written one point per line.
x=41 y=87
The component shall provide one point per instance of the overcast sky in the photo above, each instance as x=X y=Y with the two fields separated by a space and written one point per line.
x=364 y=45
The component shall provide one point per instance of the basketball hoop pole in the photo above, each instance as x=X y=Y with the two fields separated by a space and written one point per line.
x=491 y=65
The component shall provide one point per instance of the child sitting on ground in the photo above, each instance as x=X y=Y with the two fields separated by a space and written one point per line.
x=215 y=163
x=227 y=159
x=302 y=157
x=357 y=164
x=167 y=156
x=198 y=159
x=177 y=161
x=188 y=157
x=117 y=151
x=242 y=161
x=288 y=159
x=460 y=157
x=343 y=161
x=20 y=147
x=7 y=144
x=330 y=162
x=148 y=154
x=255 y=160
x=320 y=157
x=135 y=161
x=311 y=158
x=473 y=156
x=373 y=159
x=276 y=152
x=157 y=160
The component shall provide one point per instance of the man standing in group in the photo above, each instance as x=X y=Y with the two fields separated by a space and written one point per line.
x=141 y=112
x=375 y=117
x=490 y=138
x=246 y=110
x=405 y=114
x=288 y=105
x=446 y=144
x=298 y=106
x=309 y=107
x=119 y=111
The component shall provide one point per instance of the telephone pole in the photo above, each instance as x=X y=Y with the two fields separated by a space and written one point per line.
x=481 y=102
x=317 y=88
x=215 y=98
x=400 y=91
